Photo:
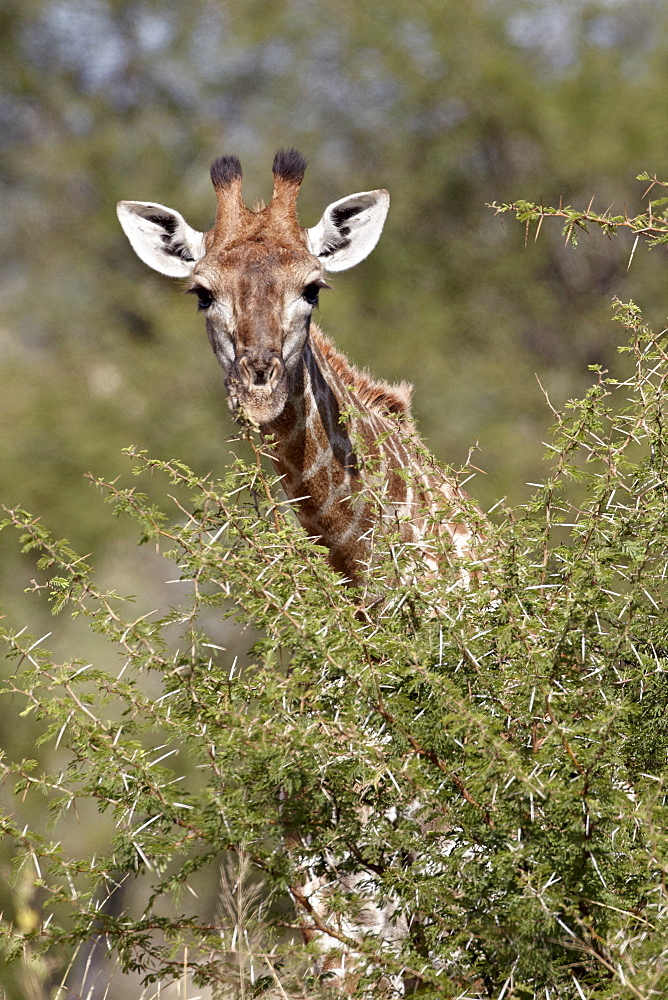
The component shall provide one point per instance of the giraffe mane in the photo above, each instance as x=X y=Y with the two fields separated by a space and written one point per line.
x=378 y=395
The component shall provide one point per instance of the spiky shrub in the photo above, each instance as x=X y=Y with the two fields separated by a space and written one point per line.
x=492 y=760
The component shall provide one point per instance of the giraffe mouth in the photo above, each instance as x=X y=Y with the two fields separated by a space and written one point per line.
x=257 y=387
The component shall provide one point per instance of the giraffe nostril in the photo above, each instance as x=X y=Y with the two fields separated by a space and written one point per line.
x=260 y=371
x=275 y=370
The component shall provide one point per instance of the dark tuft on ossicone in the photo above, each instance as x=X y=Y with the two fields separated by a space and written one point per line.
x=224 y=170
x=290 y=165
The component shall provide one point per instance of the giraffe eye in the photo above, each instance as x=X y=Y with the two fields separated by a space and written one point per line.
x=310 y=293
x=204 y=296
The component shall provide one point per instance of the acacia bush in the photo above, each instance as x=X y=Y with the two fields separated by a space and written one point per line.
x=508 y=741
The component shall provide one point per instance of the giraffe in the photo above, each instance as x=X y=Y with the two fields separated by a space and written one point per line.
x=343 y=443
x=257 y=276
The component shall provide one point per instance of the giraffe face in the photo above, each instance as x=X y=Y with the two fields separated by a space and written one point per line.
x=257 y=274
x=257 y=300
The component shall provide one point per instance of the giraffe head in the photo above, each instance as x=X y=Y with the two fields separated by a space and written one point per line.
x=256 y=275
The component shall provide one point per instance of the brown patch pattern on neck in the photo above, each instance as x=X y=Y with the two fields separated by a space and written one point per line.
x=315 y=452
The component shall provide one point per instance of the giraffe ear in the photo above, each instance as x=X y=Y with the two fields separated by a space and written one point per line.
x=349 y=229
x=161 y=237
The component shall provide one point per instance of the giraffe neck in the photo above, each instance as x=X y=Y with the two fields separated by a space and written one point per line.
x=313 y=453
x=316 y=445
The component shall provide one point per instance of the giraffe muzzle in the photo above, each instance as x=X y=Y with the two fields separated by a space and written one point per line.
x=257 y=386
x=260 y=372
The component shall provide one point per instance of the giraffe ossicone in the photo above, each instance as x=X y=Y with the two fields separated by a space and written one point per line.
x=257 y=275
